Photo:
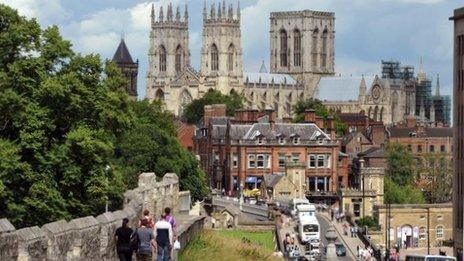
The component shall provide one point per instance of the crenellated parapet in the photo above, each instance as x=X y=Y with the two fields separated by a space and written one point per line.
x=92 y=238
x=222 y=15
x=171 y=19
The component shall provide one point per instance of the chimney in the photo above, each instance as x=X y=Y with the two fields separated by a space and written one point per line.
x=287 y=120
x=219 y=110
x=208 y=114
x=331 y=126
x=411 y=121
x=378 y=133
x=320 y=122
x=310 y=116
x=272 y=115
x=246 y=116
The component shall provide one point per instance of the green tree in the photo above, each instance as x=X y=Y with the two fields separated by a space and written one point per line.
x=70 y=138
x=320 y=110
x=397 y=194
x=194 y=111
x=400 y=164
x=436 y=171
x=151 y=145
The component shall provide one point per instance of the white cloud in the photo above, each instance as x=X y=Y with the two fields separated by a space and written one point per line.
x=46 y=11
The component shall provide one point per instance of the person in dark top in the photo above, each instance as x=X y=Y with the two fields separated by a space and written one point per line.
x=123 y=237
x=146 y=241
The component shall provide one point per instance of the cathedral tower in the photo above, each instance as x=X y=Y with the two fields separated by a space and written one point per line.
x=130 y=69
x=302 y=44
x=221 y=53
x=169 y=51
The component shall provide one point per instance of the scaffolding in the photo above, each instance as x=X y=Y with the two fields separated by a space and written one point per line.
x=393 y=70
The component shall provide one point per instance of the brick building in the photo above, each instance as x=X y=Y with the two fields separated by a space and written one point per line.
x=238 y=152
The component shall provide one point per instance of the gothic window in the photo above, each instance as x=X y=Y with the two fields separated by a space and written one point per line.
x=214 y=58
x=185 y=98
x=381 y=114
x=178 y=59
x=162 y=59
x=394 y=105
x=159 y=95
x=297 y=48
x=230 y=58
x=283 y=48
x=376 y=113
x=324 y=49
x=314 y=47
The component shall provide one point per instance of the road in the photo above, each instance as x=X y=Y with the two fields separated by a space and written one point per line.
x=324 y=223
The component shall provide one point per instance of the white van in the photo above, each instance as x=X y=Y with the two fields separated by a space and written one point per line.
x=295 y=202
x=309 y=230
x=305 y=210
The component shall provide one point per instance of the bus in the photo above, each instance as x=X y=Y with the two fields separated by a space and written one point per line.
x=429 y=258
x=295 y=202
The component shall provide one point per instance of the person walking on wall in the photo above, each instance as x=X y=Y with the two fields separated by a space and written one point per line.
x=146 y=241
x=123 y=238
x=164 y=239
x=150 y=221
x=171 y=220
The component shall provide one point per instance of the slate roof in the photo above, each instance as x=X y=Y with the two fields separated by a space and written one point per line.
x=306 y=131
x=374 y=152
x=237 y=131
x=122 y=54
x=218 y=131
x=341 y=88
x=253 y=77
x=350 y=136
x=271 y=180
x=398 y=132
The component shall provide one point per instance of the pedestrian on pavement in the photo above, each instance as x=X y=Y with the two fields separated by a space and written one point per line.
x=123 y=245
x=146 y=241
x=164 y=239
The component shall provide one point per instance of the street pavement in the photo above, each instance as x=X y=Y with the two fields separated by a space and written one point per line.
x=325 y=222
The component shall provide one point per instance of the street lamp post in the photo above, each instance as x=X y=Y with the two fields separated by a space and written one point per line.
x=107 y=169
x=361 y=162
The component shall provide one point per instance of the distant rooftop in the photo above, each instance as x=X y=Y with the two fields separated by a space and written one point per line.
x=122 y=54
x=268 y=78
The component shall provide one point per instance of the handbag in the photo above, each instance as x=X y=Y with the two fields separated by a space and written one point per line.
x=176 y=245
x=134 y=241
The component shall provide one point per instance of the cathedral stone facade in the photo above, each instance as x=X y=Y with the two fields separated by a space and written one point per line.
x=171 y=79
x=302 y=44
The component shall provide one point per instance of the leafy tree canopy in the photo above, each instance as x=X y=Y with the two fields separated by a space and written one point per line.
x=397 y=194
x=320 y=110
x=65 y=126
x=400 y=163
x=194 y=111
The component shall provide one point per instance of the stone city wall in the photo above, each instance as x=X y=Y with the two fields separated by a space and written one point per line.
x=92 y=238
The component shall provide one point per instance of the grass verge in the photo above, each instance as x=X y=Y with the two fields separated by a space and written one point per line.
x=229 y=245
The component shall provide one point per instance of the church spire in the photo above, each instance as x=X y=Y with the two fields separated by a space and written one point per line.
x=213 y=12
x=263 y=68
x=153 y=14
x=178 y=14
x=238 y=10
x=219 y=16
x=186 y=13
x=170 y=12
x=231 y=12
x=205 y=11
x=437 y=90
x=224 y=8
x=161 y=15
x=421 y=76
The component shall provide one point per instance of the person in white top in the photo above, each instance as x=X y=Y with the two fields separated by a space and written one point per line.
x=164 y=239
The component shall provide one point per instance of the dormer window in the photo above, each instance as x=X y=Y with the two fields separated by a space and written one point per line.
x=260 y=139
x=281 y=140
x=296 y=140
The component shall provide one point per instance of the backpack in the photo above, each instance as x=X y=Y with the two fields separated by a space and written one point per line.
x=134 y=241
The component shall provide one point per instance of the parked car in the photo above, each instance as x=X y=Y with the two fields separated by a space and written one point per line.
x=340 y=249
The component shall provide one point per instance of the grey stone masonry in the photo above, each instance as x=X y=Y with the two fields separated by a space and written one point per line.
x=92 y=238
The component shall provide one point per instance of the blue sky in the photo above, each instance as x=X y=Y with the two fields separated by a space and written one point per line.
x=367 y=31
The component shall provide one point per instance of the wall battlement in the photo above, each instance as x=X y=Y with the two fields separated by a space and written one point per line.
x=92 y=238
